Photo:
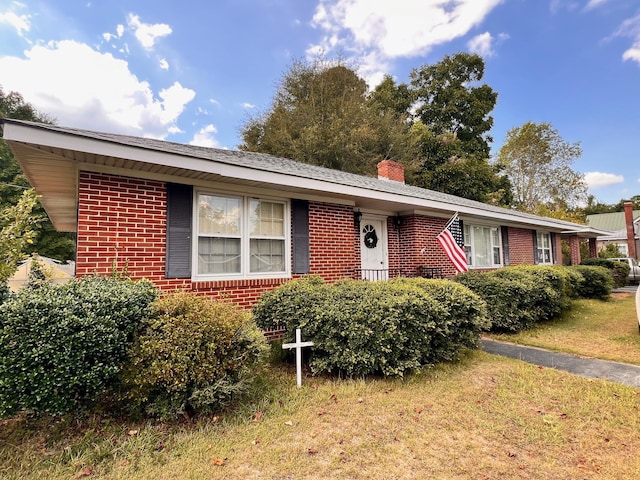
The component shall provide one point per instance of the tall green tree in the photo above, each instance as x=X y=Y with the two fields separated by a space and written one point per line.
x=47 y=242
x=322 y=114
x=538 y=162
x=450 y=100
x=451 y=127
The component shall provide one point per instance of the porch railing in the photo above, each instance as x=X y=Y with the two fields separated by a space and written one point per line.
x=375 y=275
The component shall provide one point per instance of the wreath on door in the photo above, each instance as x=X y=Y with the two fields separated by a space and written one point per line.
x=370 y=236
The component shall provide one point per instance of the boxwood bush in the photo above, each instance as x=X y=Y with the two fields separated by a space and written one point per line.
x=519 y=296
x=194 y=356
x=619 y=270
x=506 y=299
x=362 y=328
x=598 y=281
x=63 y=345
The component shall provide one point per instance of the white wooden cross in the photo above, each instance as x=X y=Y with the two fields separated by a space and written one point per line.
x=298 y=345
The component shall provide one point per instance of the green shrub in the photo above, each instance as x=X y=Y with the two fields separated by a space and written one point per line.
x=63 y=345
x=362 y=328
x=4 y=292
x=194 y=356
x=619 y=270
x=574 y=281
x=598 y=281
x=464 y=319
x=507 y=299
x=553 y=293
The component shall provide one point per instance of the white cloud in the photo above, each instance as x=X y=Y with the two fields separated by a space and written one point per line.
x=147 y=33
x=601 y=179
x=484 y=43
x=481 y=44
x=164 y=65
x=630 y=28
x=380 y=31
x=591 y=4
x=102 y=94
x=21 y=23
x=204 y=137
x=248 y=105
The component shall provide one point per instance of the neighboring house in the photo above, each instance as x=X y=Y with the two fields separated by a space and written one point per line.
x=624 y=227
x=55 y=270
x=235 y=224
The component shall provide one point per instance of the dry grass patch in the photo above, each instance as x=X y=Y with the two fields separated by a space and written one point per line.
x=485 y=417
x=593 y=328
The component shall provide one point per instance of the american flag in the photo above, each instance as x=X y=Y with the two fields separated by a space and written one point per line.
x=452 y=241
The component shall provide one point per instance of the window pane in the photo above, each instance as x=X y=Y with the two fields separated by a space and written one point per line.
x=219 y=215
x=482 y=246
x=266 y=218
x=218 y=255
x=267 y=255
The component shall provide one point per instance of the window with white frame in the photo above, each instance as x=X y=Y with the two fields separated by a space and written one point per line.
x=545 y=252
x=241 y=237
x=483 y=246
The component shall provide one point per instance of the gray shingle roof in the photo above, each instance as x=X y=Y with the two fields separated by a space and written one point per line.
x=270 y=163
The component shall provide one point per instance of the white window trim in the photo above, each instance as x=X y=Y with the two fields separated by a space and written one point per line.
x=470 y=260
x=540 y=258
x=245 y=239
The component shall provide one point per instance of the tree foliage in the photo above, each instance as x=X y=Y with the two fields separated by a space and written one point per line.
x=437 y=125
x=47 y=241
x=321 y=115
x=17 y=226
x=538 y=163
x=450 y=101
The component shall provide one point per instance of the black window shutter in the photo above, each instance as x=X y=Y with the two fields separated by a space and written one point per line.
x=300 y=226
x=554 y=250
x=504 y=231
x=179 y=221
x=535 y=246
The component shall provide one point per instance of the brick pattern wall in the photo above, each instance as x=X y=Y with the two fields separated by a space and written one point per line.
x=332 y=257
x=520 y=246
x=123 y=220
x=418 y=245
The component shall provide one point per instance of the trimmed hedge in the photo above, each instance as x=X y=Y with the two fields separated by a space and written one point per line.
x=63 y=345
x=363 y=328
x=598 y=281
x=619 y=270
x=194 y=356
x=519 y=296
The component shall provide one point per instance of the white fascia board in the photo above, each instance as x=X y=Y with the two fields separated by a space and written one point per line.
x=40 y=136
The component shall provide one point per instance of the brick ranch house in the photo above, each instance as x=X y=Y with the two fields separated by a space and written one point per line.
x=235 y=224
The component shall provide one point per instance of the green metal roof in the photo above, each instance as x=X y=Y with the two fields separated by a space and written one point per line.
x=610 y=221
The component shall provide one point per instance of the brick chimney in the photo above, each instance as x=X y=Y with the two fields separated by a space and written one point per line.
x=390 y=170
x=631 y=234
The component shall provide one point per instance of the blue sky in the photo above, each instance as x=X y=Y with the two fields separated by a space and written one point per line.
x=195 y=71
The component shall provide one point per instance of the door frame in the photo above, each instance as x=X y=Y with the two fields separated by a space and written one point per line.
x=383 y=242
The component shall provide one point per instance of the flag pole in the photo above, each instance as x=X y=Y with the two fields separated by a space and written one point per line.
x=455 y=215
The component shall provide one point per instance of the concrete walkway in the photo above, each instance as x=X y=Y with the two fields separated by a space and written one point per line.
x=585 y=367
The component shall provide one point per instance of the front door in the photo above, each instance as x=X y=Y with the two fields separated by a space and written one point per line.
x=373 y=252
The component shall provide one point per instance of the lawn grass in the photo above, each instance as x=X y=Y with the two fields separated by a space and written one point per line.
x=485 y=417
x=593 y=328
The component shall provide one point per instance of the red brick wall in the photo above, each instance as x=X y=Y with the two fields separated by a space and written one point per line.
x=123 y=220
x=332 y=256
x=419 y=245
x=520 y=246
